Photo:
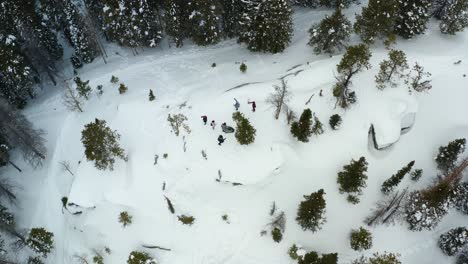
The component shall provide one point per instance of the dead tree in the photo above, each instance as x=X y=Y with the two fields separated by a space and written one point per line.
x=71 y=99
x=169 y=205
x=387 y=210
x=66 y=167
x=279 y=97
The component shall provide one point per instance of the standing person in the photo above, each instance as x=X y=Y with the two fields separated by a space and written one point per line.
x=205 y=119
x=236 y=105
x=254 y=105
x=221 y=140
x=213 y=124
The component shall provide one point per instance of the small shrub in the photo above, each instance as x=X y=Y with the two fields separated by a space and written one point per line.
x=276 y=234
x=151 y=96
x=40 y=241
x=165 y=156
x=292 y=252
x=122 y=88
x=225 y=218
x=98 y=259
x=186 y=219
x=213 y=65
x=360 y=239
x=114 y=79
x=335 y=121
x=314 y=258
x=243 y=68
x=125 y=219
x=177 y=122
x=100 y=90
x=137 y=257
x=385 y=258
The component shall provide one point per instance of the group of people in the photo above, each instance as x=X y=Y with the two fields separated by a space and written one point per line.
x=225 y=128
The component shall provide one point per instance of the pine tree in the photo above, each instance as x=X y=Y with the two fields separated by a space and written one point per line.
x=125 y=219
x=101 y=144
x=439 y=8
x=361 y=239
x=352 y=179
x=385 y=258
x=233 y=11
x=311 y=211
x=122 y=88
x=455 y=18
x=453 y=241
x=40 y=241
x=245 y=132
x=462 y=258
x=317 y=126
x=377 y=20
x=314 y=258
x=354 y=60
x=151 y=95
x=243 y=67
x=412 y=17
x=302 y=129
x=331 y=35
x=392 y=182
x=448 y=155
x=83 y=88
x=337 y=3
x=137 y=257
x=270 y=29
x=395 y=65
x=461 y=197
x=205 y=20
x=335 y=121
x=174 y=21
x=307 y=3
x=416 y=174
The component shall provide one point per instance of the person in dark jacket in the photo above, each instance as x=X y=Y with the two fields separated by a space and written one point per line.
x=205 y=119
x=236 y=105
x=213 y=124
x=254 y=105
x=221 y=140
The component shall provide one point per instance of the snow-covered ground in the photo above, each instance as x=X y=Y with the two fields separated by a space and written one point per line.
x=276 y=167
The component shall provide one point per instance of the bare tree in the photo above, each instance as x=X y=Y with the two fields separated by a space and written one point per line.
x=66 y=167
x=71 y=99
x=279 y=97
x=6 y=190
x=388 y=209
x=290 y=115
x=18 y=132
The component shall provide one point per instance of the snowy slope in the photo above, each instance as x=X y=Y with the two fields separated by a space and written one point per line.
x=274 y=168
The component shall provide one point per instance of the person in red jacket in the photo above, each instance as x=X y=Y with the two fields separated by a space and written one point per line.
x=254 y=105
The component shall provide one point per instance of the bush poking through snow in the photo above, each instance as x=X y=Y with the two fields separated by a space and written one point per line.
x=302 y=129
x=417 y=79
x=394 y=66
x=101 y=144
x=98 y=259
x=243 y=68
x=453 y=241
x=292 y=252
x=137 y=257
x=311 y=211
x=125 y=218
x=314 y=258
x=151 y=96
x=352 y=179
x=186 y=219
x=40 y=241
x=385 y=258
x=335 y=121
x=122 y=88
x=276 y=234
x=391 y=183
x=177 y=122
x=416 y=174
x=448 y=155
x=225 y=218
x=360 y=239
x=245 y=132
x=114 y=79
x=277 y=224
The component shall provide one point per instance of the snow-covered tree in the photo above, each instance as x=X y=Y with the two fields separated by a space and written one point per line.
x=335 y=121
x=83 y=88
x=412 y=17
x=311 y=211
x=455 y=18
x=448 y=155
x=205 y=20
x=418 y=79
x=269 y=28
x=233 y=10
x=453 y=241
x=395 y=66
x=462 y=258
x=174 y=20
x=360 y=239
x=391 y=183
x=377 y=20
x=461 y=197
x=302 y=129
x=314 y=258
x=352 y=179
x=354 y=60
x=101 y=144
x=137 y=257
x=245 y=132
x=331 y=34
x=40 y=241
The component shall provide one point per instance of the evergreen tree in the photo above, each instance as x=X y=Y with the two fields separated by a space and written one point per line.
x=245 y=132
x=455 y=18
x=270 y=29
x=412 y=17
x=377 y=20
x=151 y=95
x=335 y=121
x=243 y=67
x=122 y=88
x=331 y=35
x=233 y=10
x=416 y=174
x=307 y=3
x=54 y=13
x=337 y=3
x=101 y=144
x=40 y=241
x=302 y=129
x=205 y=20
x=137 y=257
x=439 y=8
x=385 y=258
x=395 y=65
x=314 y=258
x=361 y=239
x=125 y=219
x=354 y=60
x=448 y=155
x=353 y=178
x=453 y=241
x=462 y=258
x=461 y=197
x=83 y=88
x=174 y=21
x=317 y=127
x=392 y=182
x=311 y=211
